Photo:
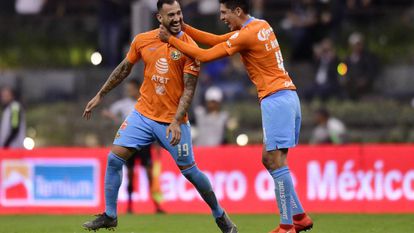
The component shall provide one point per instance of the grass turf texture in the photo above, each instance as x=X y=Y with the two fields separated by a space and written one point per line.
x=324 y=223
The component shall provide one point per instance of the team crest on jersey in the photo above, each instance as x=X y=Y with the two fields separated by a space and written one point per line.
x=175 y=55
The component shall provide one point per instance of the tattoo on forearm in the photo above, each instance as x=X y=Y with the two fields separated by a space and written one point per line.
x=117 y=76
x=190 y=83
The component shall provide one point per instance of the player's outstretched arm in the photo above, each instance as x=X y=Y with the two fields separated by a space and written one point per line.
x=206 y=38
x=203 y=55
x=190 y=83
x=117 y=76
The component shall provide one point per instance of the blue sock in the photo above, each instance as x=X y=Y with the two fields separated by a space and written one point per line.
x=283 y=188
x=203 y=186
x=296 y=205
x=113 y=180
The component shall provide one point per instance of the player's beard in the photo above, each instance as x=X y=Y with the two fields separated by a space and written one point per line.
x=174 y=27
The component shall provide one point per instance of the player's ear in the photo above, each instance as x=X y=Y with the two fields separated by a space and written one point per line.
x=159 y=17
x=239 y=11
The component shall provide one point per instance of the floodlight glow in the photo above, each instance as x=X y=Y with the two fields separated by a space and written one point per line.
x=96 y=58
x=28 y=143
x=242 y=140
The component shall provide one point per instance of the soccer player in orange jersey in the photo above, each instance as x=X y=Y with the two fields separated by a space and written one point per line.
x=256 y=42
x=160 y=114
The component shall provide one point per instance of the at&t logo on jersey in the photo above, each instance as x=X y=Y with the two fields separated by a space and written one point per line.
x=161 y=66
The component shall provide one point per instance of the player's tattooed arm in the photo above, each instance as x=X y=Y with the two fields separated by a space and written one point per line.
x=173 y=130
x=190 y=83
x=117 y=76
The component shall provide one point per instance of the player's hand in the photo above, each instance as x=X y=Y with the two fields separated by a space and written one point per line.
x=95 y=101
x=164 y=34
x=175 y=130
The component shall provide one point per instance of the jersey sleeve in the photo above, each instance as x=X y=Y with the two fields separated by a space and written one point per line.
x=237 y=42
x=134 y=54
x=205 y=37
x=192 y=65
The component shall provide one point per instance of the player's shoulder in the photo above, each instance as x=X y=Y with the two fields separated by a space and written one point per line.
x=187 y=38
x=256 y=25
x=144 y=36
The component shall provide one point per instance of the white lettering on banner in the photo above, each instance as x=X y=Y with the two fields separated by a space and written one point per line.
x=264 y=186
x=58 y=188
x=390 y=193
x=231 y=185
x=168 y=186
x=320 y=186
x=347 y=182
x=407 y=187
x=328 y=183
x=379 y=177
x=236 y=186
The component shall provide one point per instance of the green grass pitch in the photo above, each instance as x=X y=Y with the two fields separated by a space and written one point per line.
x=324 y=223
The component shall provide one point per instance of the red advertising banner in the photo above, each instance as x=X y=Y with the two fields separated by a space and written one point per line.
x=328 y=179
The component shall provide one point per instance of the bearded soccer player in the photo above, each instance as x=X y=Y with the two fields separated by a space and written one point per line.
x=160 y=114
x=256 y=42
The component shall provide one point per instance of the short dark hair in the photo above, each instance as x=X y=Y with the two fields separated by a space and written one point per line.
x=233 y=4
x=135 y=82
x=162 y=2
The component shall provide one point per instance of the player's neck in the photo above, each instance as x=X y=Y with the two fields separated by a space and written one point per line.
x=244 y=20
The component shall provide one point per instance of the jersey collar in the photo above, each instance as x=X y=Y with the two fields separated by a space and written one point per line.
x=248 y=21
x=180 y=34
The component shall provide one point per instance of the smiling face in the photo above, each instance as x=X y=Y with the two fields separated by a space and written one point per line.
x=230 y=17
x=171 y=17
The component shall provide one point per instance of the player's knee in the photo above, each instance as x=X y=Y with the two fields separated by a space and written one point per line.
x=273 y=160
x=184 y=167
x=122 y=152
x=190 y=171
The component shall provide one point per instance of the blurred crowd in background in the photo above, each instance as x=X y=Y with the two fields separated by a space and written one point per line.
x=352 y=61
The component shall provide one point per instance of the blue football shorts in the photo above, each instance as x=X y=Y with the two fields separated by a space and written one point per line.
x=281 y=119
x=138 y=131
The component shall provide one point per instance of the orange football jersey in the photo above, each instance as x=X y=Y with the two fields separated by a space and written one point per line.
x=257 y=44
x=163 y=83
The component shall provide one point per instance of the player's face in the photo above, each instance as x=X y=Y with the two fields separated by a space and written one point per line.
x=229 y=17
x=6 y=96
x=171 y=17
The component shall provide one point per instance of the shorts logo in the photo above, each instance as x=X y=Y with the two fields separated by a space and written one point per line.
x=161 y=66
x=175 y=55
x=124 y=125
